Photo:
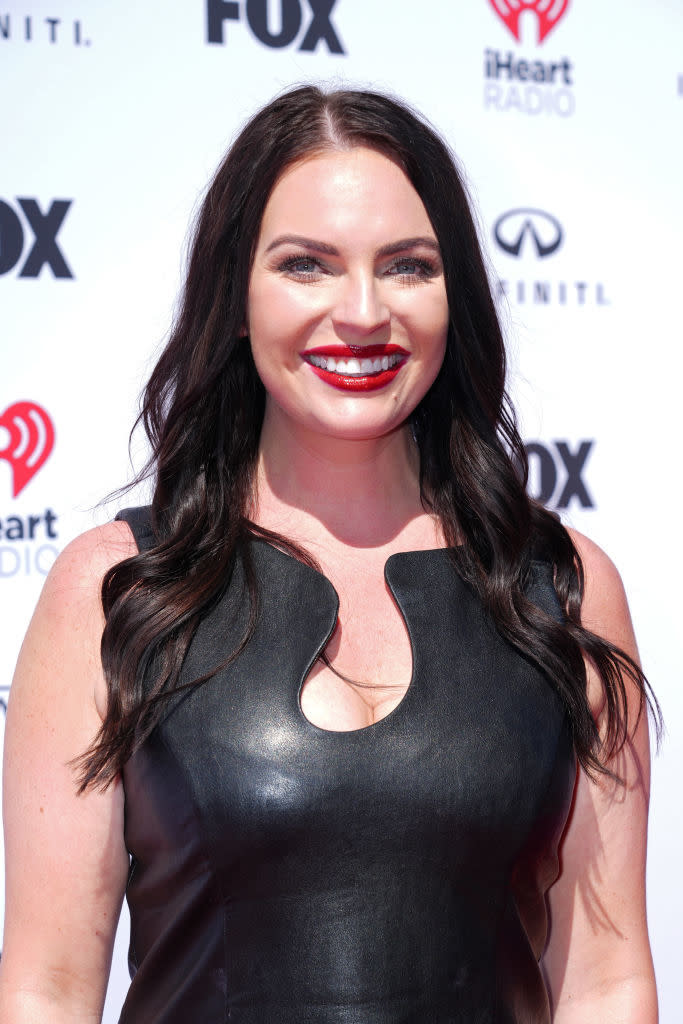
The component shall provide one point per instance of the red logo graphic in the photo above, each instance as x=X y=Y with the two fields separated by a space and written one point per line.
x=548 y=13
x=31 y=439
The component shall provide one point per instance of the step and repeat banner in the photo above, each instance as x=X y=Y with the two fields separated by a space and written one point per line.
x=567 y=116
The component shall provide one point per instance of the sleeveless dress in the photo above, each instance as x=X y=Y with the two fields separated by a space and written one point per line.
x=394 y=874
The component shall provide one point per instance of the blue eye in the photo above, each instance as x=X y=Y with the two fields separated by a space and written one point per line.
x=304 y=266
x=412 y=269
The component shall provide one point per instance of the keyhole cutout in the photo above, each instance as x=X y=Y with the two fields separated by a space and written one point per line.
x=370 y=666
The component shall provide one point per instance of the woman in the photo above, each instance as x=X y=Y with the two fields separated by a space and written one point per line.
x=353 y=683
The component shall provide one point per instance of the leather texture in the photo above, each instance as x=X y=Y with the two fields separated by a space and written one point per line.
x=395 y=874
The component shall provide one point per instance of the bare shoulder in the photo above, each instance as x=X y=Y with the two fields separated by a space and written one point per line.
x=605 y=612
x=605 y=607
x=59 y=670
x=76 y=576
x=91 y=554
x=67 y=624
x=598 y=566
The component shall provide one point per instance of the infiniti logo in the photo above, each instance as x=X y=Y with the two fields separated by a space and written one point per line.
x=542 y=229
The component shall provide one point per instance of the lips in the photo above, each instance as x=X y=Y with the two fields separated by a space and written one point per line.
x=356 y=367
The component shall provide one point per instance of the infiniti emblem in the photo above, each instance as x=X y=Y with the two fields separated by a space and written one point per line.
x=542 y=229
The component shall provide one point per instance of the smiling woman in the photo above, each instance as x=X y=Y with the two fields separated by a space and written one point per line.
x=357 y=726
x=346 y=292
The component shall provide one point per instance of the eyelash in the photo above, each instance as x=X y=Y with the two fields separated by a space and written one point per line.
x=425 y=267
x=290 y=263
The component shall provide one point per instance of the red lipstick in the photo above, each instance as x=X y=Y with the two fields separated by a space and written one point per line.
x=387 y=362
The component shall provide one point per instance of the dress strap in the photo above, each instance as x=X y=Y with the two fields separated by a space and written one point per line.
x=140 y=521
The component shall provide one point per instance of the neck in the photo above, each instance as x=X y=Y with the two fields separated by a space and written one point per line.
x=363 y=492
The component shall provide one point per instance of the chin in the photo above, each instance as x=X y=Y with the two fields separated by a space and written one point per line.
x=361 y=431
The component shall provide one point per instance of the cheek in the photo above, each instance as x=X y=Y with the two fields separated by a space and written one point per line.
x=431 y=326
x=441 y=314
x=273 y=329
x=443 y=323
x=435 y=340
x=258 y=306
x=433 y=365
x=276 y=314
x=424 y=308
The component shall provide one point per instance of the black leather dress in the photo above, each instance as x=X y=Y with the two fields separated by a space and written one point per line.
x=395 y=874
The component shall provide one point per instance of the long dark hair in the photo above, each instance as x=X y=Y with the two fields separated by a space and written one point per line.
x=203 y=410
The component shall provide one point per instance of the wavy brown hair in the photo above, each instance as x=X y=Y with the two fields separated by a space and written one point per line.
x=203 y=409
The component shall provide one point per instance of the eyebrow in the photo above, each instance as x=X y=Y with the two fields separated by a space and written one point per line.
x=329 y=250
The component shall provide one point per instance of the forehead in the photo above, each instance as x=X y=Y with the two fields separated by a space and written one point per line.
x=355 y=189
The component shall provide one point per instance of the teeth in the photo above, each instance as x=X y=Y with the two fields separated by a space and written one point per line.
x=355 y=367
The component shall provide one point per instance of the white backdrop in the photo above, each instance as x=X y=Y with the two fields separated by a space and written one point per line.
x=569 y=124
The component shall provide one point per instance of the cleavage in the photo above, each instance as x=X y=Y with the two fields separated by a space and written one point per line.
x=366 y=666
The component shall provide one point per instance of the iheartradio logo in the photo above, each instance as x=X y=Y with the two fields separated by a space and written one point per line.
x=31 y=439
x=548 y=13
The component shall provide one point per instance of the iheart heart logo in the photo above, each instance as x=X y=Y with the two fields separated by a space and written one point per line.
x=548 y=13
x=31 y=439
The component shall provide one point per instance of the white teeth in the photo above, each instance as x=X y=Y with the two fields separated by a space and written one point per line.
x=355 y=367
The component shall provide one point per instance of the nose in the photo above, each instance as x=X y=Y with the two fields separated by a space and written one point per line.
x=360 y=308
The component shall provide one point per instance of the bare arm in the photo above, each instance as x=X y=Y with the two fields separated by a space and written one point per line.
x=598 y=962
x=66 y=864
